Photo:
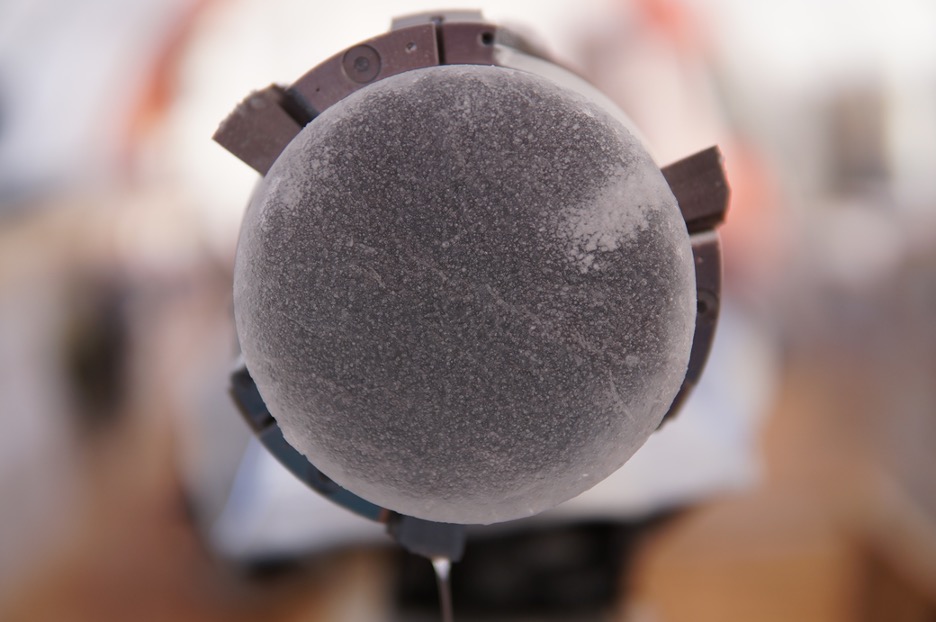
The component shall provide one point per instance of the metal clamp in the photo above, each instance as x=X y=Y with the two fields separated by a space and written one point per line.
x=262 y=125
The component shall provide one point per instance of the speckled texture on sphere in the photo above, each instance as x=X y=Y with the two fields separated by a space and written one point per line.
x=465 y=293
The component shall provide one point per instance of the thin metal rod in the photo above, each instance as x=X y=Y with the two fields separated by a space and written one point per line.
x=443 y=568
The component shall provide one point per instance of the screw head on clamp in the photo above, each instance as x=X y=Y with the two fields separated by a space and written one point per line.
x=361 y=63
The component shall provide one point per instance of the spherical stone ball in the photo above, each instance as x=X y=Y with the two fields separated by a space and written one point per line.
x=465 y=293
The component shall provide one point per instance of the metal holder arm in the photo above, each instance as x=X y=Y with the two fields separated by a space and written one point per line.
x=262 y=125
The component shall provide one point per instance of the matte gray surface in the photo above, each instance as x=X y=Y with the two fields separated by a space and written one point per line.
x=465 y=293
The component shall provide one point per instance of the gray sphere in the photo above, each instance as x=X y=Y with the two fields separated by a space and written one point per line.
x=465 y=293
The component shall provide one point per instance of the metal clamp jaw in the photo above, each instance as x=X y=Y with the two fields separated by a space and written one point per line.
x=261 y=127
x=418 y=536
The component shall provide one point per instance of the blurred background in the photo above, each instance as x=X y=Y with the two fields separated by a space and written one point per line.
x=799 y=483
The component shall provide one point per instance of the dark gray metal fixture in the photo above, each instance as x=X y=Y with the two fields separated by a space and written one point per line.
x=463 y=289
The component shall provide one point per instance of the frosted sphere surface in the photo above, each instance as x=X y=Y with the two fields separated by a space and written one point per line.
x=465 y=293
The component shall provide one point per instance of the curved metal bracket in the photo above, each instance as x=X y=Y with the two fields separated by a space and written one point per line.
x=698 y=182
x=427 y=538
x=266 y=121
